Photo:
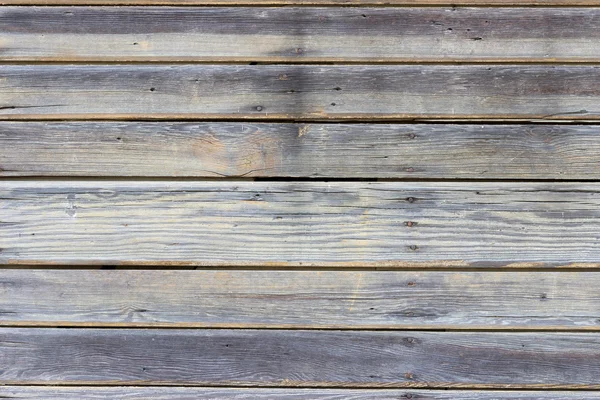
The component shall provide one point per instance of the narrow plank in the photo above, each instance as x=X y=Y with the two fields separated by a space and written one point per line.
x=234 y=149
x=301 y=299
x=338 y=224
x=295 y=358
x=324 y=34
x=503 y=3
x=192 y=393
x=299 y=92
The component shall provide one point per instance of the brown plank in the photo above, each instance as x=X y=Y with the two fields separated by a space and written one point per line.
x=295 y=358
x=246 y=149
x=307 y=92
x=429 y=34
x=192 y=393
x=338 y=224
x=301 y=299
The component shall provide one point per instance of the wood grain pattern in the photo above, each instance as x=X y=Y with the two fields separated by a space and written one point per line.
x=502 y=3
x=221 y=223
x=323 y=34
x=296 y=358
x=192 y=393
x=236 y=149
x=306 y=92
x=301 y=299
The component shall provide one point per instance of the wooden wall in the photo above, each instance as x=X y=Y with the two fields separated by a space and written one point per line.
x=300 y=199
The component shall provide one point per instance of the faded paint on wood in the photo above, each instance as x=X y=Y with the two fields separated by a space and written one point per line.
x=341 y=224
x=307 y=92
x=301 y=299
x=191 y=393
x=296 y=358
x=300 y=34
x=246 y=149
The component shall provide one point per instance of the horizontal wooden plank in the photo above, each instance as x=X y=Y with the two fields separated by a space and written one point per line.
x=221 y=223
x=247 y=149
x=502 y=3
x=295 y=358
x=301 y=299
x=323 y=34
x=299 y=92
x=193 y=393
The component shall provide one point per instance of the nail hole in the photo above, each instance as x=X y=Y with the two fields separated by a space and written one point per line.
x=152 y=89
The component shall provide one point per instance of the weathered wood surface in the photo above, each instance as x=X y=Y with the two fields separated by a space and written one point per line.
x=311 y=2
x=323 y=34
x=301 y=299
x=295 y=358
x=299 y=92
x=193 y=393
x=246 y=149
x=221 y=223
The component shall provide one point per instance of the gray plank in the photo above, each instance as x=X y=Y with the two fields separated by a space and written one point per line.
x=310 y=2
x=301 y=299
x=307 y=92
x=276 y=34
x=191 y=393
x=236 y=149
x=295 y=358
x=338 y=224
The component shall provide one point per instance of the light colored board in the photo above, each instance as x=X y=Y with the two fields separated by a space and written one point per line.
x=306 y=92
x=190 y=393
x=247 y=149
x=323 y=34
x=296 y=358
x=301 y=299
x=338 y=224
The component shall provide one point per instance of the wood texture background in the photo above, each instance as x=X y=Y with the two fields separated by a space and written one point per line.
x=300 y=34
x=249 y=149
x=309 y=92
x=190 y=204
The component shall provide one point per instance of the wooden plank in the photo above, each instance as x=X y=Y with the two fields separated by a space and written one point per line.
x=193 y=393
x=301 y=299
x=308 y=92
x=501 y=3
x=246 y=149
x=324 y=34
x=338 y=224
x=296 y=358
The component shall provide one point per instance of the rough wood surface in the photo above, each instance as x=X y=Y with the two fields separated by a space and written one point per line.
x=323 y=34
x=295 y=358
x=299 y=92
x=502 y=3
x=246 y=149
x=301 y=299
x=191 y=393
x=220 y=223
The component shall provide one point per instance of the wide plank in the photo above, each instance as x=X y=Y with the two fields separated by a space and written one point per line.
x=199 y=393
x=338 y=224
x=296 y=358
x=303 y=92
x=300 y=299
x=306 y=34
x=248 y=149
